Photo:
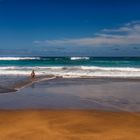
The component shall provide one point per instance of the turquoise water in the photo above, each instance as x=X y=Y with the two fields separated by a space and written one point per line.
x=72 y=66
x=71 y=61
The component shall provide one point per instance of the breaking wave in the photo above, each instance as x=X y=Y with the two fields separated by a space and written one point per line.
x=19 y=58
x=80 y=58
x=74 y=71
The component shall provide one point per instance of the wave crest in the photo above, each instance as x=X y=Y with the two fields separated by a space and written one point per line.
x=74 y=71
x=19 y=58
x=80 y=58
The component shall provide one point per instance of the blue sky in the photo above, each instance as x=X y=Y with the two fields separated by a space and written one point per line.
x=70 y=27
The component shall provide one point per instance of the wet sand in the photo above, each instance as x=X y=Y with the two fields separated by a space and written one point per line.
x=68 y=125
x=87 y=109
x=15 y=83
x=99 y=94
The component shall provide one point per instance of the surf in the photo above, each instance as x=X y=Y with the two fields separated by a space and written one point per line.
x=19 y=58
x=74 y=71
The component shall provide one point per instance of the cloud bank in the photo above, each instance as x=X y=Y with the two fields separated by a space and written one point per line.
x=128 y=34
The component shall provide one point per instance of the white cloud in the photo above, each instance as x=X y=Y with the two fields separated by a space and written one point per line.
x=133 y=26
x=121 y=29
x=126 y=35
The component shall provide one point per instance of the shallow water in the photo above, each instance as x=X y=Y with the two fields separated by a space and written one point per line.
x=104 y=94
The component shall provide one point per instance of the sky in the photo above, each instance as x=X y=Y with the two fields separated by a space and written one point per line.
x=70 y=27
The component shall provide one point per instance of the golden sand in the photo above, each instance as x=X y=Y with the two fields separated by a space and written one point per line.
x=69 y=125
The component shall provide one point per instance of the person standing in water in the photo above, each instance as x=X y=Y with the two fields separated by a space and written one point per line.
x=33 y=74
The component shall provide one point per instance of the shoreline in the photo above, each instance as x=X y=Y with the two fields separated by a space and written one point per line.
x=36 y=124
x=69 y=110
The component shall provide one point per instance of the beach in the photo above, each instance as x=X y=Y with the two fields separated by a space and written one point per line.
x=69 y=101
x=68 y=125
x=72 y=109
x=69 y=69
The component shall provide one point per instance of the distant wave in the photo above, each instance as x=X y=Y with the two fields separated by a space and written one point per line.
x=74 y=71
x=80 y=58
x=19 y=58
x=44 y=58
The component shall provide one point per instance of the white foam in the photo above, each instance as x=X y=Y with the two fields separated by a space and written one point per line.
x=19 y=58
x=110 y=68
x=79 y=58
x=73 y=71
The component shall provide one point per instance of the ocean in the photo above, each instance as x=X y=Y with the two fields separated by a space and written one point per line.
x=72 y=67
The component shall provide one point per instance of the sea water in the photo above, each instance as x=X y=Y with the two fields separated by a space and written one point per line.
x=70 y=67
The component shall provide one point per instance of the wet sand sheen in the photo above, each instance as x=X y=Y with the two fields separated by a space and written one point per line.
x=23 y=83
x=60 y=93
x=69 y=125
